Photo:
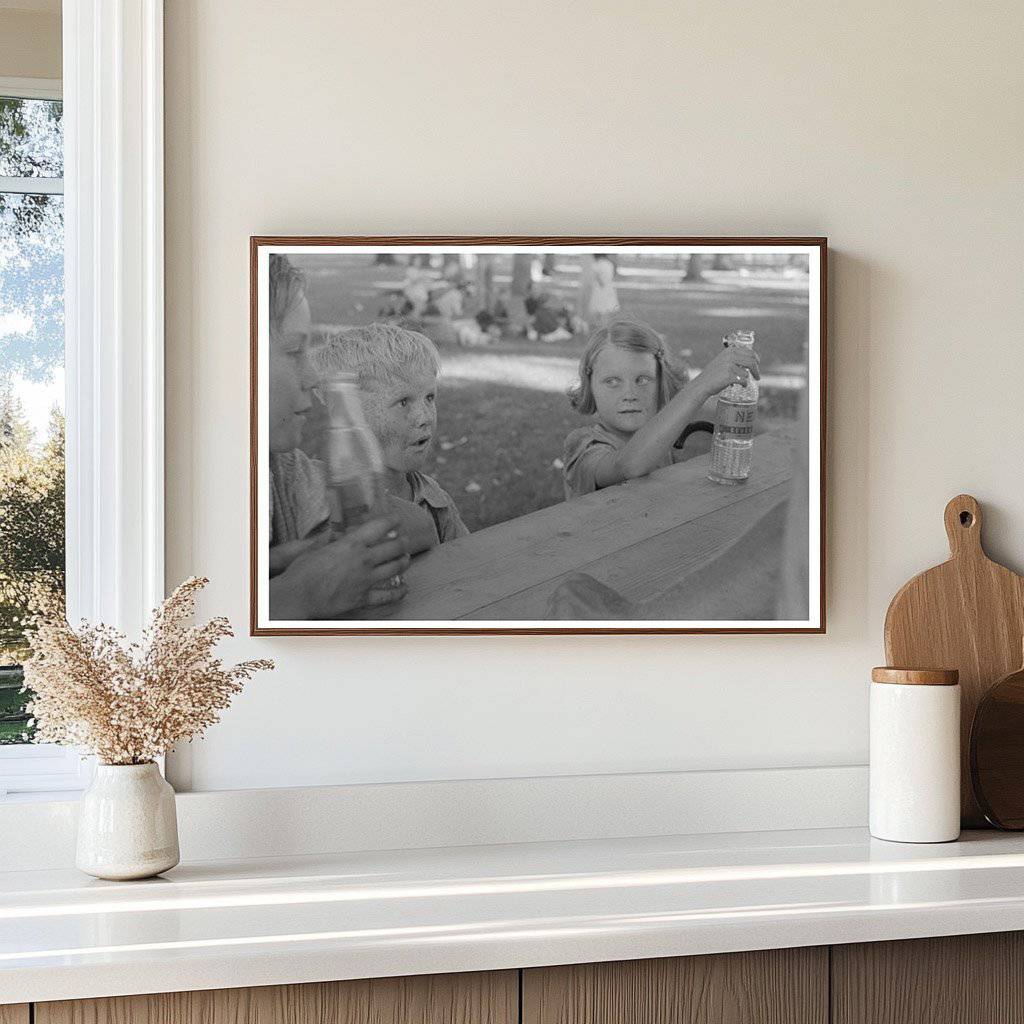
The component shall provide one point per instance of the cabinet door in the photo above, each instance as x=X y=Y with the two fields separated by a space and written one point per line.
x=779 y=986
x=14 y=1013
x=962 y=979
x=479 y=998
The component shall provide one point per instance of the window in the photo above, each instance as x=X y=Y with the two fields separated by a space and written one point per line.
x=31 y=401
x=112 y=166
x=31 y=384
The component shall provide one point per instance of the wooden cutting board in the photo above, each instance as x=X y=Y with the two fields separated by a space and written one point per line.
x=967 y=614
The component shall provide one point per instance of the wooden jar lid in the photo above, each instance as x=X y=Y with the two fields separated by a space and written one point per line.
x=916 y=676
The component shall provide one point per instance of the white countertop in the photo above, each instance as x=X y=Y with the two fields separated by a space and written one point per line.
x=222 y=924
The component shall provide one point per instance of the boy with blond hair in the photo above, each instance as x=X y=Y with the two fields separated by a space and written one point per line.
x=397 y=371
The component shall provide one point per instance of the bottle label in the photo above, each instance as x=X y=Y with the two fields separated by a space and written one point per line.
x=352 y=502
x=735 y=419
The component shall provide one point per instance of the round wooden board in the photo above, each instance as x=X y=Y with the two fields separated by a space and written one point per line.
x=997 y=753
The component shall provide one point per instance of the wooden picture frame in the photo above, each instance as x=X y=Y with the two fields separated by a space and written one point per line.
x=461 y=584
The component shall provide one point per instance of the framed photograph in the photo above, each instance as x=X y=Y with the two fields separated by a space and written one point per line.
x=537 y=435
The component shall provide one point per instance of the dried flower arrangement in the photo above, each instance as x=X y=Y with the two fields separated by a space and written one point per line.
x=130 y=703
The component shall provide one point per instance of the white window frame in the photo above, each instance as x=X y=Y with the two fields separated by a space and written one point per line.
x=114 y=330
x=31 y=89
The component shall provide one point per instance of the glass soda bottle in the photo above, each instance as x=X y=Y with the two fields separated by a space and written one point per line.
x=733 y=443
x=355 y=465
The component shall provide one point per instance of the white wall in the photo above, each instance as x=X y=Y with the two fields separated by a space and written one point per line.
x=895 y=129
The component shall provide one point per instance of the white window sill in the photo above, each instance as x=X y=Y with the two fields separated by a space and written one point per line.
x=43 y=796
x=42 y=771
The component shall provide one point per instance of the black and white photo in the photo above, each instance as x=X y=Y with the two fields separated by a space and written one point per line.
x=537 y=435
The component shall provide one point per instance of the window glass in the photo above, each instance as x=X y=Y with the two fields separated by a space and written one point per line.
x=31 y=386
x=31 y=138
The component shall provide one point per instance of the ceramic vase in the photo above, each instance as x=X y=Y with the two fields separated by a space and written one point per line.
x=127 y=825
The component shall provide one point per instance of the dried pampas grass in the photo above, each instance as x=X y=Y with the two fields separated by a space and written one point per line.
x=130 y=703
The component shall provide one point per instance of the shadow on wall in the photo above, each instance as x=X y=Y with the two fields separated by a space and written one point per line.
x=853 y=287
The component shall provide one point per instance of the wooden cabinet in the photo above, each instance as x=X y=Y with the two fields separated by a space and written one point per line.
x=969 y=979
x=778 y=986
x=479 y=998
x=963 y=979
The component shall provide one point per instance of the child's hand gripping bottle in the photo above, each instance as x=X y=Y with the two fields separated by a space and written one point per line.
x=733 y=443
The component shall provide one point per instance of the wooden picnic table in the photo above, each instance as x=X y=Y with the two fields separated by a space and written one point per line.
x=640 y=537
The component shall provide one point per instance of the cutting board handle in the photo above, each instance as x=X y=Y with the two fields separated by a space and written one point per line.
x=963 y=527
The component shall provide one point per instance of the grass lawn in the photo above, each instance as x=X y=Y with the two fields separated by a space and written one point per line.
x=499 y=435
x=514 y=471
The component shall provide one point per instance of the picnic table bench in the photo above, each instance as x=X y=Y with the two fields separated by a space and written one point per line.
x=640 y=537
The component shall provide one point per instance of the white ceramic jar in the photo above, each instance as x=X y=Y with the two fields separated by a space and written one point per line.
x=127 y=823
x=915 y=755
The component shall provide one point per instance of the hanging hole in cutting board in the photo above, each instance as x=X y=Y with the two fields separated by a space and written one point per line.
x=966 y=519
